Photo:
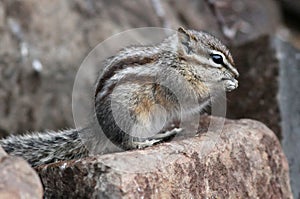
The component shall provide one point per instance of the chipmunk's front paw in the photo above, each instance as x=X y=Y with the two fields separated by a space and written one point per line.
x=156 y=138
x=167 y=134
x=230 y=84
x=144 y=144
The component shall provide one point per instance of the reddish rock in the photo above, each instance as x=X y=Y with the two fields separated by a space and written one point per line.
x=17 y=179
x=244 y=161
x=2 y=152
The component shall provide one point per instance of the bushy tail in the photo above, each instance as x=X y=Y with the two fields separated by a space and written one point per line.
x=48 y=147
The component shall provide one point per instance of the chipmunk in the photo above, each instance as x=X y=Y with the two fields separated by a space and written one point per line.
x=140 y=94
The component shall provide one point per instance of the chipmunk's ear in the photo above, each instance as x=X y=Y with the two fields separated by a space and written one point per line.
x=185 y=40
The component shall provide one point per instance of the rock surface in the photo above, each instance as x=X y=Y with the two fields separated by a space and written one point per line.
x=289 y=95
x=17 y=179
x=45 y=42
x=256 y=96
x=291 y=8
x=244 y=161
x=269 y=91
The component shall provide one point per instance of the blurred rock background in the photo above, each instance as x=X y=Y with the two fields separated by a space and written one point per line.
x=43 y=43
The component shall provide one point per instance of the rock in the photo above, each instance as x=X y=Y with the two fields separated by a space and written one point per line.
x=291 y=8
x=59 y=34
x=288 y=96
x=17 y=179
x=244 y=161
x=45 y=42
x=2 y=152
x=256 y=96
x=241 y=21
x=269 y=91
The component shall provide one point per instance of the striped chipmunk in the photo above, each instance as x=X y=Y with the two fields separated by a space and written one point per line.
x=138 y=96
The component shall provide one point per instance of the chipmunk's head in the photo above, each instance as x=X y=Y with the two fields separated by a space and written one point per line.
x=208 y=58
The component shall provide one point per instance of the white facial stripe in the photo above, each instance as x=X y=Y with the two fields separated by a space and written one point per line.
x=137 y=70
x=204 y=60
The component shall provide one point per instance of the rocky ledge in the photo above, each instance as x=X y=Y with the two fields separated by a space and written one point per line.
x=245 y=160
x=17 y=179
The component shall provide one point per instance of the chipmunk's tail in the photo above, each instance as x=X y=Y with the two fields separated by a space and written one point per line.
x=48 y=147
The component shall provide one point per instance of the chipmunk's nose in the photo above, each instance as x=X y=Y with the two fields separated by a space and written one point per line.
x=235 y=73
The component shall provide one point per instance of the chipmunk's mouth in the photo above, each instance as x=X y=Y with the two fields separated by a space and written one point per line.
x=230 y=84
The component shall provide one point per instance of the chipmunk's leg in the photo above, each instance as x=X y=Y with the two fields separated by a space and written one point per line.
x=154 y=110
x=149 y=118
x=159 y=137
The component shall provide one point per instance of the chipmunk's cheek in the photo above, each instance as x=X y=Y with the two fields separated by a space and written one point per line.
x=230 y=84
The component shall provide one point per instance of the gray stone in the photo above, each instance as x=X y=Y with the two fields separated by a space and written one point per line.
x=256 y=96
x=292 y=8
x=289 y=101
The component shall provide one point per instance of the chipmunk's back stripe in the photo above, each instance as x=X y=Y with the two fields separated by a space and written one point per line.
x=136 y=74
x=121 y=64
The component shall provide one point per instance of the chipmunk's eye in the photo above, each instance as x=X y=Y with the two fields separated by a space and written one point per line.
x=218 y=59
